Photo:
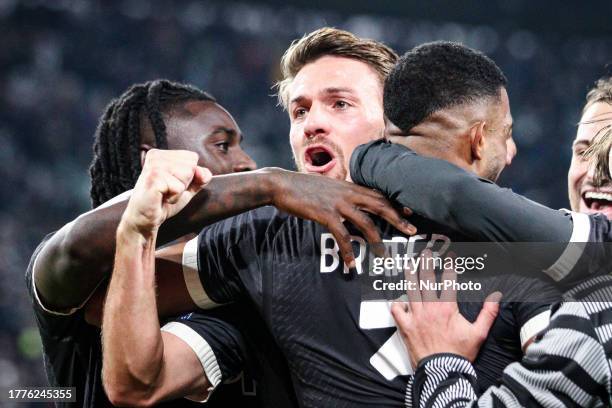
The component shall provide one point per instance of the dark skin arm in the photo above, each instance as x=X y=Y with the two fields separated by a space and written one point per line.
x=79 y=256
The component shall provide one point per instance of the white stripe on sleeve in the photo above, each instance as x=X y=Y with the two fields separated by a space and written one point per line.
x=202 y=349
x=534 y=326
x=192 y=277
x=572 y=253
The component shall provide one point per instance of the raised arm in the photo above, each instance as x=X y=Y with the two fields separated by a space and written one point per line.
x=79 y=256
x=142 y=366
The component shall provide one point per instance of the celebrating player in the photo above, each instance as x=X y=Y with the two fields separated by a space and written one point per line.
x=502 y=216
x=72 y=347
x=68 y=266
x=566 y=366
x=332 y=89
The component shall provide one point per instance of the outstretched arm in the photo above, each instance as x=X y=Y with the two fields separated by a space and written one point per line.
x=447 y=194
x=79 y=256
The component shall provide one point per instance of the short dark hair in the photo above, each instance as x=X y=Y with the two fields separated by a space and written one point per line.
x=435 y=76
x=116 y=162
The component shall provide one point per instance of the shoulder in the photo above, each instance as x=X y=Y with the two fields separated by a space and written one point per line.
x=31 y=264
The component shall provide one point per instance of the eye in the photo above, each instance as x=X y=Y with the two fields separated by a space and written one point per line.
x=223 y=146
x=299 y=113
x=341 y=104
x=579 y=152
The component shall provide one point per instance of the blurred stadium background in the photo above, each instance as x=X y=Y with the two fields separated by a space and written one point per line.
x=62 y=61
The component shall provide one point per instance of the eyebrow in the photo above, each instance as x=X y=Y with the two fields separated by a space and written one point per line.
x=326 y=91
x=230 y=132
x=581 y=142
x=606 y=117
x=334 y=90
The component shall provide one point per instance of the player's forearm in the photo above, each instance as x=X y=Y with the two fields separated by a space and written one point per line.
x=446 y=194
x=224 y=197
x=79 y=256
x=132 y=343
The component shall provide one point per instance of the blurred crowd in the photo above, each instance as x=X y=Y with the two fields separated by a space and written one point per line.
x=61 y=62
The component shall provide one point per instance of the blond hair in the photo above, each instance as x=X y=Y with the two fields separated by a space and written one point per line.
x=332 y=41
x=601 y=92
x=598 y=152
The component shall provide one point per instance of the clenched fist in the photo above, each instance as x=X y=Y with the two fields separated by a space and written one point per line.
x=169 y=179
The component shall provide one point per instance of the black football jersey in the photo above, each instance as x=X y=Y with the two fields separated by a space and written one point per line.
x=342 y=349
x=72 y=355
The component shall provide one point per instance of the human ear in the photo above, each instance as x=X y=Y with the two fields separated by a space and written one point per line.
x=477 y=140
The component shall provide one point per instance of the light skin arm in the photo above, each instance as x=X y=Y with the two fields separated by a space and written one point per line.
x=426 y=319
x=448 y=380
x=141 y=365
x=78 y=257
x=172 y=294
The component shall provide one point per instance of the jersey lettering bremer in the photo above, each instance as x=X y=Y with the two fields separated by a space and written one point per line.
x=342 y=349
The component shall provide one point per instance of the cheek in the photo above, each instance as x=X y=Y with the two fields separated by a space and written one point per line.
x=295 y=139
x=365 y=131
x=577 y=171
x=213 y=161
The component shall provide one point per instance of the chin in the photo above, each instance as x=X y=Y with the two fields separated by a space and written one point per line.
x=336 y=173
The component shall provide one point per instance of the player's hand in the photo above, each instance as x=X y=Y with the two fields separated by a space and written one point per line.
x=331 y=202
x=431 y=325
x=169 y=179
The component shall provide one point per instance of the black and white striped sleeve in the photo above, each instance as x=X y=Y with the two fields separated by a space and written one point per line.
x=567 y=366
x=446 y=380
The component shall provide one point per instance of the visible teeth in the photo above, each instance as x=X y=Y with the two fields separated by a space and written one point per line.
x=591 y=195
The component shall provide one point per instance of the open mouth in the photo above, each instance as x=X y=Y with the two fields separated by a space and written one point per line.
x=598 y=201
x=319 y=159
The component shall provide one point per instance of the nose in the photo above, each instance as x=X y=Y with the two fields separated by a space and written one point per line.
x=315 y=123
x=511 y=151
x=244 y=162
